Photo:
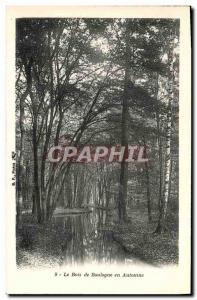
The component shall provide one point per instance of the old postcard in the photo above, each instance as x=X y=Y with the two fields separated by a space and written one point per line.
x=98 y=150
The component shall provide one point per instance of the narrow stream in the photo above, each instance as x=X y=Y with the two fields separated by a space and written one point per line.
x=88 y=239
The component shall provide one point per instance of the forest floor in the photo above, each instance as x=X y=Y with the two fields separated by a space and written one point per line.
x=137 y=237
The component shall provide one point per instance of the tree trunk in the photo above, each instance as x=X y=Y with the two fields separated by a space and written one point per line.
x=148 y=193
x=167 y=168
x=159 y=141
x=36 y=191
x=20 y=181
x=44 y=201
x=122 y=199
x=36 y=177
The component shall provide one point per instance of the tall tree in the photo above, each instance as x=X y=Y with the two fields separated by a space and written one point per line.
x=167 y=168
x=124 y=127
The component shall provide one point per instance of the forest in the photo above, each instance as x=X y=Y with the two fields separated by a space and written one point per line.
x=106 y=82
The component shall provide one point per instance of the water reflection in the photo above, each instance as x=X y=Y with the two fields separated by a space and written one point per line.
x=87 y=239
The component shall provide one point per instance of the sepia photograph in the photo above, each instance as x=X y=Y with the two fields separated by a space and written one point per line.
x=97 y=82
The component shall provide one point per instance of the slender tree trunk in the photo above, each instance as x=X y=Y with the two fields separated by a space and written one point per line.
x=36 y=177
x=36 y=192
x=20 y=181
x=34 y=210
x=147 y=185
x=167 y=163
x=122 y=200
x=159 y=141
x=148 y=192
x=163 y=207
x=167 y=168
x=48 y=134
